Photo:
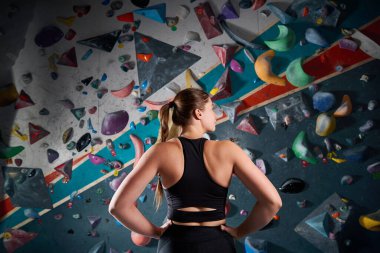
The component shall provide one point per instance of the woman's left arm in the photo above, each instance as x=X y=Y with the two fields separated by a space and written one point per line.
x=122 y=205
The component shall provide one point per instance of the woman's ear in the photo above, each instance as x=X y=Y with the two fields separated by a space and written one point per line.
x=197 y=114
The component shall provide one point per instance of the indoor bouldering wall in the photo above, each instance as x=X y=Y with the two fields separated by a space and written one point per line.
x=90 y=78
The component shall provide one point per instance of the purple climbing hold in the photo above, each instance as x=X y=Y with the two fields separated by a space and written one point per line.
x=96 y=159
x=114 y=122
x=49 y=35
x=228 y=11
x=52 y=155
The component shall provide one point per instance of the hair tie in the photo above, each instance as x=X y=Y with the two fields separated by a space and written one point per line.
x=171 y=104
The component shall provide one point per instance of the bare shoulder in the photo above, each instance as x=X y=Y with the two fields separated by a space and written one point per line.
x=223 y=147
x=166 y=147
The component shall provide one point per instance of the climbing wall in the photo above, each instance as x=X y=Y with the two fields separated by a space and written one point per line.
x=89 y=76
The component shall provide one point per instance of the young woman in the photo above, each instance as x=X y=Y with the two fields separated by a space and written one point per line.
x=195 y=174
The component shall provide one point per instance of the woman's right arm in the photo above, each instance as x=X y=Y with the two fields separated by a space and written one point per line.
x=268 y=201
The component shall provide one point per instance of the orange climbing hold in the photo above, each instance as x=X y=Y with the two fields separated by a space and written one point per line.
x=144 y=57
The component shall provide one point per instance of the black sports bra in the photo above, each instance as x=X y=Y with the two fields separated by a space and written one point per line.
x=195 y=188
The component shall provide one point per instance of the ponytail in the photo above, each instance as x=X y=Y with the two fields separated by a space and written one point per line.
x=167 y=131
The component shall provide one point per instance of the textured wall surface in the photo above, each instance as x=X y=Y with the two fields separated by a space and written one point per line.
x=20 y=55
x=322 y=181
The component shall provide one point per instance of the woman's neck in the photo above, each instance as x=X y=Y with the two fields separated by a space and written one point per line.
x=190 y=133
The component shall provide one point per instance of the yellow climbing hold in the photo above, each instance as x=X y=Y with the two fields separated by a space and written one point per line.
x=371 y=221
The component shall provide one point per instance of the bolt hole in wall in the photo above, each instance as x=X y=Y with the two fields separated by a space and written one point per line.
x=294 y=83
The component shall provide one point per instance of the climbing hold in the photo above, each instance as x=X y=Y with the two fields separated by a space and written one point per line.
x=111 y=147
x=247 y=125
x=142 y=198
x=101 y=92
x=208 y=20
x=371 y=221
x=114 y=122
x=94 y=221
x=48 y=36
x=374 y=168
x=83 y=142
x=372 y=104
x=183 y=12
x=301 y=150
x=228 y=11
x=67 y=21
x=104 y=42
x=355 y=154
x=123 y=92
x=285 y=40
x=155 y=12
x=296 y=75
x=224 y=53
x=52 y=155
x=126 y=17
x=67 y=135
x=92 y=110
x=65 y=169
x=284 y=154
x=323 y=101
x=236 y=66
x=313 y=36
x=348 y=44
x=302 y=203
x=115 y=183
x=231 y=110
x=31 y=213
x=87 y=54
x=325 y=124
x=152 y=115
x=367 y=126
x=144 y=57
x=95 y=84
x=258 y=4
x=222 y=88
x=253 y=245
x=346 y=179
x=263 y=69
x=23 y=100
x=36 y=133
x=71 y=145
x=282 y=15
x=78 y=112
x=27 y=78
x=68 y=58
x=261 y=165
x=81 y=10
x=345 y=108
x=96 y=159
x=70 y=34
x=292 y=185
x=87 y=80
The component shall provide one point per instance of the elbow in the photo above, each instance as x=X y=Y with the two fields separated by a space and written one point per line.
x=274 y=205
x=112 y=209
x=277 y=204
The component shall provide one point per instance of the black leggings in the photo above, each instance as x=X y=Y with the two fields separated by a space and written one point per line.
x=195 y=239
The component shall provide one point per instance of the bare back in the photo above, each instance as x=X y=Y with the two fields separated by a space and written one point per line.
x=217 y=162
